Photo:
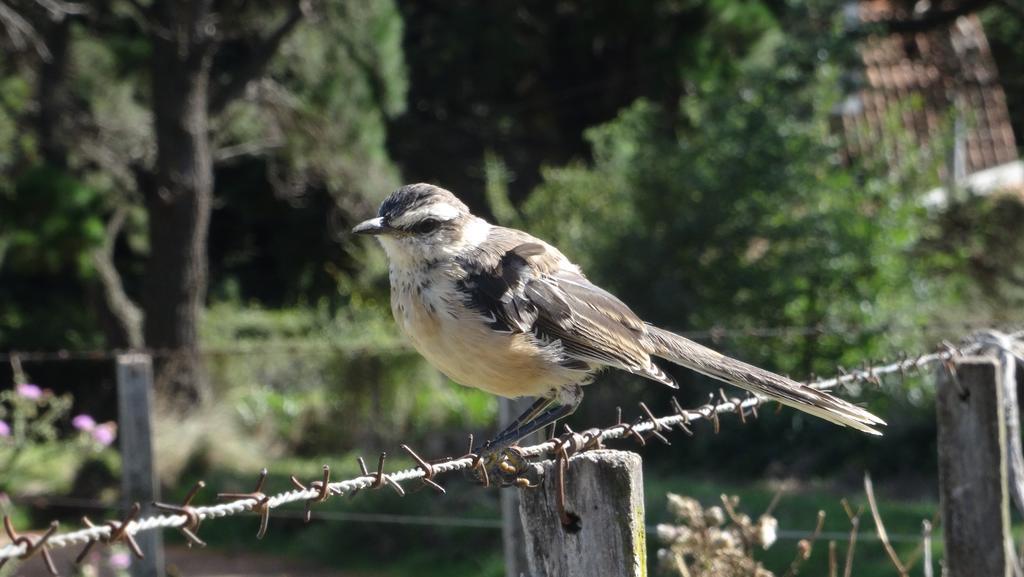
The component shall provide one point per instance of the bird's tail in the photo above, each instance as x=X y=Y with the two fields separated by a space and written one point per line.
x=687 y=353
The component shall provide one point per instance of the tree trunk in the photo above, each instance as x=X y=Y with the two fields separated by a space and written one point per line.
x=178 y=202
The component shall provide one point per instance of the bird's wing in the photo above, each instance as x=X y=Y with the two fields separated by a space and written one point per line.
x=521 y=284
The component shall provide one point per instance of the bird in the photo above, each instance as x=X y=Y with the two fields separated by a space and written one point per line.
x=497 y=309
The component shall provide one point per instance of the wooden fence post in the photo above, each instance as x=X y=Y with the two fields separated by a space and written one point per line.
x=605 y=490
x=138 y=482
x=973 y=469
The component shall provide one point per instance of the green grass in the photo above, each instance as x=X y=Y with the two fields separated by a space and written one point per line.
x=367 y=547
x=387 y=549
x=49 y=468
x=427 y=551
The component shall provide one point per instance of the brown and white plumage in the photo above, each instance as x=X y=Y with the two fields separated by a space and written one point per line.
x=497 y=309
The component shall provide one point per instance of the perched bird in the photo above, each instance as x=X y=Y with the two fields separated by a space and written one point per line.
x=497 y=309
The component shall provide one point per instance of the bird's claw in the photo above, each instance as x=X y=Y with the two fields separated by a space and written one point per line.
x=501 y=466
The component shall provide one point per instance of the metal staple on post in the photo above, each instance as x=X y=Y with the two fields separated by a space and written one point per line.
x=570 y=521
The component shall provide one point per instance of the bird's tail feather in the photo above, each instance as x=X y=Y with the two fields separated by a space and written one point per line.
x=687 y=353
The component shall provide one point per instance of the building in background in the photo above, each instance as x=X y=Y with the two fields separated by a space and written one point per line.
x=935 y=89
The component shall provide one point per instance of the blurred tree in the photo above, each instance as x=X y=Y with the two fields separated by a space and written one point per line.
x=736 y=209
x=733 y=208
x=521 y=81
x=977 y=246
x=707 y=190
x=144 y=100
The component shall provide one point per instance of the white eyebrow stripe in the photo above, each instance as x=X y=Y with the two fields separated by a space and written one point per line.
x=440 y=210
x=475 y=232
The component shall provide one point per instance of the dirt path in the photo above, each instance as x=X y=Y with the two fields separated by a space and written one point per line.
x=183 y=562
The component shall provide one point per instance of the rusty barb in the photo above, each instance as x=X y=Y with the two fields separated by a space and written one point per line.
x=512 y=466
x=116 y=532
x=260 y=499
x=192 y=519
x=476 y=464
x=31 y=546
x=323 y=490
x=379 y=478
x=427 y=468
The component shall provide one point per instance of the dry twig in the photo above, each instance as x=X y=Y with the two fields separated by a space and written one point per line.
x=805 y=547
x=880 y=528
x=854 y=531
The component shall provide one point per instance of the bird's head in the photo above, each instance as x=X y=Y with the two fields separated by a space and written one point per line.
x=423 y=222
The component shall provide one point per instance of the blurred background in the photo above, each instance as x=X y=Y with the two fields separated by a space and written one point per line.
x=800 y=184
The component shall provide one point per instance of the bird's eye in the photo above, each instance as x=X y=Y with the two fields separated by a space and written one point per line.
x=425 y=226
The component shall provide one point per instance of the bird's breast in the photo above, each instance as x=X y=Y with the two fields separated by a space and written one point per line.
x=457 y=341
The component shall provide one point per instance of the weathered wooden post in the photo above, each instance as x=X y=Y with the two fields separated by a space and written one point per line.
x=605 y=490
x=973 y=469
x=138 y=482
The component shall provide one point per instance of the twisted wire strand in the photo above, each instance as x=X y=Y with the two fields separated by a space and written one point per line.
x=440 y=520
x=681 y=419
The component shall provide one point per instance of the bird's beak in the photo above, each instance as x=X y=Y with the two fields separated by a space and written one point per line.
x=372 y=226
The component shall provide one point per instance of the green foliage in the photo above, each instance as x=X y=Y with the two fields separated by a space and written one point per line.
x=735 y=210
x=32 y=444
x=709 y=190
x=322 y=111
x=497 y=177
x=32 y=420
x=355 y=545
x=320 y=382
x=107 y=76
x=15 y=97
x=522 y=81
x=308 y=139
x=50 y=222
x=975 y=244
x=401 y=549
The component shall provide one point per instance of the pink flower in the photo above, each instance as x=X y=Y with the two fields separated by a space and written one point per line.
x=120 y=560
x=29 y=391
x=105 y=433
x=5 y=429
x=83 y=423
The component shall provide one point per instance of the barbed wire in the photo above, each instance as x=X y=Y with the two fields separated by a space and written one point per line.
x=513 y=465
x=57 y=501
x=713 y=334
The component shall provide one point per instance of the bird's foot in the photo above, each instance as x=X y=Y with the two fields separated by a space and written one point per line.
x=499 y=465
